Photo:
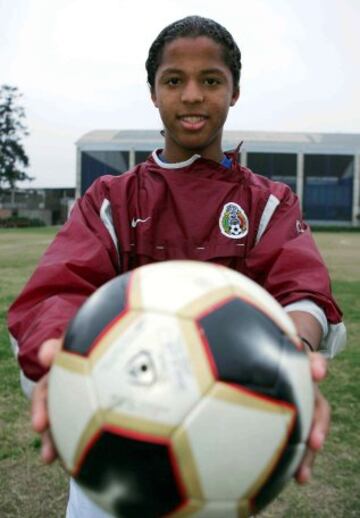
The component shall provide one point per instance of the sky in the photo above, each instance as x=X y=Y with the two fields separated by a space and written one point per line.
x=80 y=66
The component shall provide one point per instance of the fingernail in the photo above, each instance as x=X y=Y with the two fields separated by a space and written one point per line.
x=45 y=452
x=34 y=419
x=323 y=370
x=320 y=439
x=306 y=474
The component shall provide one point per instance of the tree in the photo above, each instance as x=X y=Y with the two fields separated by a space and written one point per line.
x=13 y=158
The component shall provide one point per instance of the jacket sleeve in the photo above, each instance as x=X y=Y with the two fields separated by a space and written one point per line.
x=82 y=257
x=286 y=262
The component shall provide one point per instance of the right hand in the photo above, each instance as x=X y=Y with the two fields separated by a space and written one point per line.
x=39 y=411
x=321 y=420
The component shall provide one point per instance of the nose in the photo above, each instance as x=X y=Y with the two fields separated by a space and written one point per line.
x=192 y=92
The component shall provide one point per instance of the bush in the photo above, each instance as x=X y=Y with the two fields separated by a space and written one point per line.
x=334 y=228
x=20 y=222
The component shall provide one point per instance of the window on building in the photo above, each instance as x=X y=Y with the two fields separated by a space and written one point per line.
x=98 y=163
x=280 y=167
x=328 y=187
x=141 y=156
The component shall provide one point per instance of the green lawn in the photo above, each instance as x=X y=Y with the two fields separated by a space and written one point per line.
x=29 y=489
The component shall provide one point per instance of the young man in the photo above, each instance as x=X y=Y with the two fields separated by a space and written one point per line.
x=173 y=206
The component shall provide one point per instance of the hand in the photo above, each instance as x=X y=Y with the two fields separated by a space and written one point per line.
x=321 y=420
x=39 y=412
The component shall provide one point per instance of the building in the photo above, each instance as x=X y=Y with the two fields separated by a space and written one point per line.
x=322 y=168
x=49 y=205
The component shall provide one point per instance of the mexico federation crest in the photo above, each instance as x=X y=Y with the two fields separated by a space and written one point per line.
x=233 y=221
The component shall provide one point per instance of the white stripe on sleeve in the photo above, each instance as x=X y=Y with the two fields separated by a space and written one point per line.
x=266 y=216
x=26 y=383
x=334 y=335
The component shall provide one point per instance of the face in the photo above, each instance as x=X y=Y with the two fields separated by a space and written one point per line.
x=193 y=92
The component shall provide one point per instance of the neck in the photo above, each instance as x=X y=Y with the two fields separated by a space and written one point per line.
x=173 y=152
x=176 y=158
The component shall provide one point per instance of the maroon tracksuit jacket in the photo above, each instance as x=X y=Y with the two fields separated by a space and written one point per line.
x=195 y=210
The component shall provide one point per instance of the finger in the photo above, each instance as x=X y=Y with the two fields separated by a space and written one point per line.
x=48 y=351
x=303 y=474
x=319 y=431
x=318 y=366
x=321 y=422
x=48 y=450
x=39 y=415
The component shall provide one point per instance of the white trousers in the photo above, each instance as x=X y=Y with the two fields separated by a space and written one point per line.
x=80 y=505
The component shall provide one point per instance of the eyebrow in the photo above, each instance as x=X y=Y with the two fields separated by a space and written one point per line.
x=173 y=70
x=213 y=71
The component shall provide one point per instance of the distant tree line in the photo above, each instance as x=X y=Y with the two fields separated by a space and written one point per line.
x=13 y=158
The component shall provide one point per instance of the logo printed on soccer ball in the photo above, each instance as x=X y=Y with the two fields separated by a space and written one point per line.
x=233 y=221
x=141 y=369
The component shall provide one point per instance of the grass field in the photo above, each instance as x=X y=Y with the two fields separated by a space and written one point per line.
x=30 y=490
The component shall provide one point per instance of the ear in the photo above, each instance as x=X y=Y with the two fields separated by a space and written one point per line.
x=235 y=96
x=154 y=98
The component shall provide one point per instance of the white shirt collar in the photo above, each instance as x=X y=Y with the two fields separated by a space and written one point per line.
x=176 y=165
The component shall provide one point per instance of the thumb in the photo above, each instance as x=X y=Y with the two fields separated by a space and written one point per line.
x=48 y=351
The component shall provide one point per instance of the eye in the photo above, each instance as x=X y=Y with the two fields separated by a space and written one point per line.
x=172 y=81
x=212 y=81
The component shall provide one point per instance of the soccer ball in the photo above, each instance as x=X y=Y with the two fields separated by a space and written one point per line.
x=235 y=229
x=181 y=390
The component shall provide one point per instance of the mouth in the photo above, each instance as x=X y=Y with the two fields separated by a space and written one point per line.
x=193 y=122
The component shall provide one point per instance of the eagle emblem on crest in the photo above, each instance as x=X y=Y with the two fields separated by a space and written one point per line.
x=233 y=221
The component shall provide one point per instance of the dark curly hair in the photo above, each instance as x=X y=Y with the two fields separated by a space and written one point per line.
x=194 y=26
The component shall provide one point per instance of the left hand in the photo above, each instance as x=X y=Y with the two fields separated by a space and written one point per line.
x=321 y=420
x=39 y=410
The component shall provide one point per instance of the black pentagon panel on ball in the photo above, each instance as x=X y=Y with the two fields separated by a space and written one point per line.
x=247 y=347
x=95 y=314
x=142 y=470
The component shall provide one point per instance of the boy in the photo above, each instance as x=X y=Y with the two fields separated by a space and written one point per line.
x=172 y=207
